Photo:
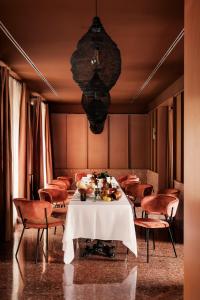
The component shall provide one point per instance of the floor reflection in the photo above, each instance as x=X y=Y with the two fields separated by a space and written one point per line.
x=88 y=278
x=125 y=289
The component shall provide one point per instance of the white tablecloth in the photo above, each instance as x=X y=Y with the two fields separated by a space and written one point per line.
x=98 y=220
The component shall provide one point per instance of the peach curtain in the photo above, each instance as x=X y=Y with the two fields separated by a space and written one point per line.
x=48 y=168
x=41 y=167
x=15 y=92
x=37 y=151
x=35 y=155
x=24 y=145
x=6 y=206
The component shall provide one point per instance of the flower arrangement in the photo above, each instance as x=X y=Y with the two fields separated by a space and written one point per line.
x=86 y=188
x=101 y=186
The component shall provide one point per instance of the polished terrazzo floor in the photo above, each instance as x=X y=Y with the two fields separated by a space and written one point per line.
x=93 y=278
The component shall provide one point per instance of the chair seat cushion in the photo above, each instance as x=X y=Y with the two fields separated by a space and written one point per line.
x=151 y=223
x=41 y=223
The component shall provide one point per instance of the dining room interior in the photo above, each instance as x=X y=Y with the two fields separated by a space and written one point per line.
x=99 y=148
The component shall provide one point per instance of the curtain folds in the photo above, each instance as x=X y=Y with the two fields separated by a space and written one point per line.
x=6 y=207
x=41 y=145
x=24 y=144
x=37 y=151
x=47 y=153
x=15 y=92
x=25 y=147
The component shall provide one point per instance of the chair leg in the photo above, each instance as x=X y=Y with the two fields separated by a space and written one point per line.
x=173 y=232
x=37 y=244
x=127 y=252
x=147 y=236
x=76 y=245
x=47 y=244
x=41 y=234
x=153 y=238
x=134 y=212
x=145 y=215
x=20 y=241
x=172 y=240
x=55 y=230
x=63 y=226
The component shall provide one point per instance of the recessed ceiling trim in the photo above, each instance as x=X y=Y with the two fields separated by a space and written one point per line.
x=167 y=53
x=28 y=59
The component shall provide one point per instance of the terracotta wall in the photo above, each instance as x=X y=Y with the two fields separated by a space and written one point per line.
x=76 y=154
x=192 y=150
x=59 y=140
x=179 y=138
x=97 y=143
x=118 y=142
x=138 y=142
x=158 y=144
x=162 y=146
x=122 y=145
x=179 y=216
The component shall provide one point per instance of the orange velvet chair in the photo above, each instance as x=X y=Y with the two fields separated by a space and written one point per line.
x=36 y=214
x=60 y=183
x=131 y=179
x=57 y=196
x=174 y=192
x=137 y=191
x=165 y=205
x=122 y=178
x=66 y=179
x=170 y=191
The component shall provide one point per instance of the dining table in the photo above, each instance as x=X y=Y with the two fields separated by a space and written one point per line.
x=98 y=219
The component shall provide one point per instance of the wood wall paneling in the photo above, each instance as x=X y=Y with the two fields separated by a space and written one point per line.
x=192 y=151
x=178 y=139
x=155 y=139
x=118 y=141
x=59 y=140
x=77 y=128
x=98 y=149
x=148 y=141
x=122 y=145
x=138 y=141
x=152 y=147
x=162 y=145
